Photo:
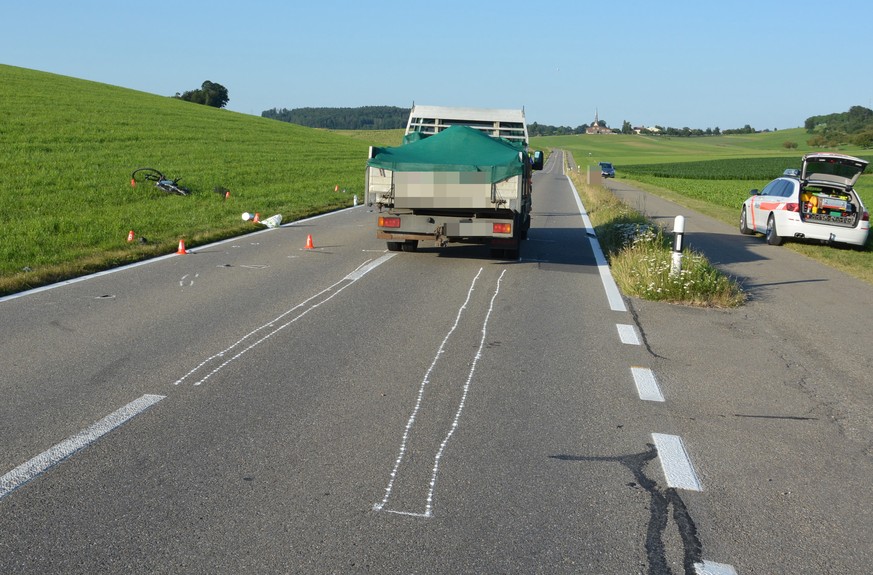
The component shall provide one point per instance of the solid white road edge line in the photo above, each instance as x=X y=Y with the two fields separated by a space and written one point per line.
x=628 y=334
x=160 y=258
x=676 y=463
x=647 y=385
x=54 y=455
x=613 y=295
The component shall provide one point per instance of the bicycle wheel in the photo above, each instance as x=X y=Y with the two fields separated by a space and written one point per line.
x=146 y=174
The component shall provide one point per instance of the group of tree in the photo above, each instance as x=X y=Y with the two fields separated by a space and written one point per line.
x=535 y=129
x=209 y=93
x=852 y=127
x=362 y=118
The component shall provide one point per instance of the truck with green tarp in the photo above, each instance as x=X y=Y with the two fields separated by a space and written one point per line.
x=461 y=175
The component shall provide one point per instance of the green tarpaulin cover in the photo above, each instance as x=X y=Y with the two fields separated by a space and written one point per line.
x=455 y=149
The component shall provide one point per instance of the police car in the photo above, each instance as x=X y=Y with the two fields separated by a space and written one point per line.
x=818 y=202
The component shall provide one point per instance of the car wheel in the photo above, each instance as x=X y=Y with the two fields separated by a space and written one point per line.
x=744 y=224
x=773 y=237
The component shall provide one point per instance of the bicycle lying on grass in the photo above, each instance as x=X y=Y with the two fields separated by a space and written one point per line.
x=162 y=183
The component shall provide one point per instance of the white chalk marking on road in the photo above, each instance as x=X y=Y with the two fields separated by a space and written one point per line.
x=628 y=334
x=428 y=512
x=710 y=568
x=676 y=463
x=647 y=385
x=54 y=455
x=613 y=295
x=360 y=272
x=404 y=441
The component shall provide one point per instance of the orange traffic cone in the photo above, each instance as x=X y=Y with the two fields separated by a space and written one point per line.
x=181 y=250
x=132 y=183
x=257 y=219
x=309 y=245
x=130 y=236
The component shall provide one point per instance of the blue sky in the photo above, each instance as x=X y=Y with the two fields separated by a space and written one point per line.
x=671 y=63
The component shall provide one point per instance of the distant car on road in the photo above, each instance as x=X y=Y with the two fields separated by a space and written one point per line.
x=606 y=170
x=818 y=203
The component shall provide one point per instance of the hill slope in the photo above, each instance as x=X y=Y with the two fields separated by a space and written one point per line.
x=70 y=147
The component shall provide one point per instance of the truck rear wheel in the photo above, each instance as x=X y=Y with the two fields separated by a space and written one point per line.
x=394 y=246
x=410 y=246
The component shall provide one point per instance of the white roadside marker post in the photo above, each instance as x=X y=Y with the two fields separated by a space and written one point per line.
x=678 y=242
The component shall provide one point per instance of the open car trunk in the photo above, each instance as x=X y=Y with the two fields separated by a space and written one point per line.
x=827 y=195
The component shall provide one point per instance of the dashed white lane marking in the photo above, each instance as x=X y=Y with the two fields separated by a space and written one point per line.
x=39 y=464
x=367 y=268
x=676 y=463
x=628 y=334
x=647 y=385
x=710 y=568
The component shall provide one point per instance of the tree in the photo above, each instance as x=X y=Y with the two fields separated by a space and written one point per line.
x=626 y=128
x=864 y=139
x=210 y=94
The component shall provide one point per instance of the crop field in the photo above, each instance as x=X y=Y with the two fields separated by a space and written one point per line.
x=69 y=147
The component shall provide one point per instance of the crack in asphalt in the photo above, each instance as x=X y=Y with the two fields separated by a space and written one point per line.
x=662 y=500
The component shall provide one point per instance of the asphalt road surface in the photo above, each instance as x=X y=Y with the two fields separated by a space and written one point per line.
x=258 y=407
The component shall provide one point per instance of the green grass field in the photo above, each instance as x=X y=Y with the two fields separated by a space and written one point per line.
x=714 y=175
x=69 y=147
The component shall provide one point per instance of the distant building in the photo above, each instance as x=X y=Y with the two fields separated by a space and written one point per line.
x=596 y=128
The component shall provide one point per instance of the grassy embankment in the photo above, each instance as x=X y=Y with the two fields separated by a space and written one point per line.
x=640 y=255
x=713 y=175
x=69 y=147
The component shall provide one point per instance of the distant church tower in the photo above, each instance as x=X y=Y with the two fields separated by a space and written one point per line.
x=595 y=127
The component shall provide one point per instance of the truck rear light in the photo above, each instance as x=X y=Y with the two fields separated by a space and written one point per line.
x=389 y=222
x=865 y=217
x=502 y=228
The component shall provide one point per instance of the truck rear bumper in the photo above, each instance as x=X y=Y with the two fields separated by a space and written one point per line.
x=452 y=230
